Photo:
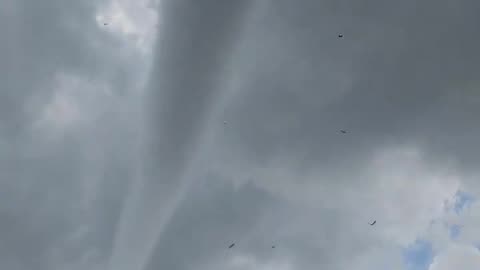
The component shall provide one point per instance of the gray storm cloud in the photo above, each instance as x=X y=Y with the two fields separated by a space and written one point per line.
x=194 y=43
x=392 y=79
x=299 y=85
x=405 y=73
x=43 y=198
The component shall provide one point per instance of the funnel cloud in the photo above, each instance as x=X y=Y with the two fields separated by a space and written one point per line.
x=193 y=46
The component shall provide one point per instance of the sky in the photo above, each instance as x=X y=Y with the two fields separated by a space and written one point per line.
x=152 y=134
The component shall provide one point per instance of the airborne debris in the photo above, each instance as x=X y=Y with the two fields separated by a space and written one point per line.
x=343 y=131
x=340 y=35
x=373 y=223
x=273 y=246
x=231 y=245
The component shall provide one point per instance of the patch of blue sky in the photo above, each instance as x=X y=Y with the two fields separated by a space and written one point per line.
x=418 y=256
x=455 y=231
x=462 y=200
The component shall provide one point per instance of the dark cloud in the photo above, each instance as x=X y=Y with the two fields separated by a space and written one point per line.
x=44 y=196
x=401 y=73
x=41 y=40
x=222 y=214
x=297 y=85
x=387 y=82
x=193 y=47
x=279 y=173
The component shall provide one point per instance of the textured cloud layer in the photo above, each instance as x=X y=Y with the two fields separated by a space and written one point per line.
x=143 y=137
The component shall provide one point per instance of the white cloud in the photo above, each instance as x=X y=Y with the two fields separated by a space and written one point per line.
x=397 y=186
x=409 y=192
x=246 y=262
x=469 y=221
x=75 y=102
x=135 y=21
x=457 y=257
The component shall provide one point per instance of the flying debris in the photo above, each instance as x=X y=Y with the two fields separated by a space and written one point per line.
x=273 y=246
x=231 y=245
x=373 y=223
x=340 y=35
x=105 y=23
x=343 y=131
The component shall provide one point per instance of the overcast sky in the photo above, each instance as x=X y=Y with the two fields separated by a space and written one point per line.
x=152 y=134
